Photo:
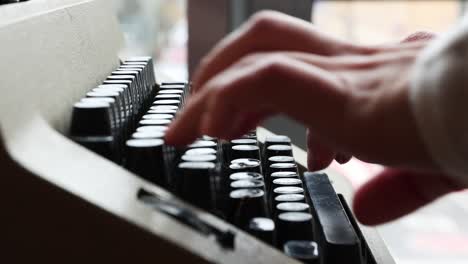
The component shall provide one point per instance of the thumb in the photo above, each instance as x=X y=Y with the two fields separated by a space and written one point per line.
x=394 y=193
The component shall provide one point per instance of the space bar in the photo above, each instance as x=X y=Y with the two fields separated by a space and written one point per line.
x=340 y=242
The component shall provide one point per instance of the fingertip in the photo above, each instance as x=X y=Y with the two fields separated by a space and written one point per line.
x=342 y=158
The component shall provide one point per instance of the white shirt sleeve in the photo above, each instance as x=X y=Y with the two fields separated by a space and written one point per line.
x=439 y=100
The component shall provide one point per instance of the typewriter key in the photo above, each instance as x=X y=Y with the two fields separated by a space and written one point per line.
x=245 y=176
x=246 y=204
x=288 y=198
x=168 y=96
x=167 y=102
x=158 y=116
x=102 y=145
x=171 y=91
x=277 y=167
x=203 y=144
x=293 y=226
x=158 y=107
x=245 y=151
x=152 y=128
x=280 y=159
x=199 y=158
x=305 y=251
x=195 y=183
x=148 y=135
x=263 y=229
x=247 y=184
x=251 y=166
x=200 y=151
x=244 y=141
x=162 y=111
x=278 y=150
x=154 y=122
x=91 y=119
x=145 y=158
x=291 y=207
x=284 y=174
x=277 y=140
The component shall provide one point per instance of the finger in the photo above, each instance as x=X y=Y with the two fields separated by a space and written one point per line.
x=311 y=95
x=248 y=122
x=394 y=193
x=187 y=125
x=319 y=156
x=420 y=35
x=261 y=34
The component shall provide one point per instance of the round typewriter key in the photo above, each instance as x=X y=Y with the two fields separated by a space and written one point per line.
x=245 y=167
x=152 y=128
x=205 y=137
x=200 y=151
x=247 y=184
x=247 y=161
x=288 y=198
x=91 y=119
x=171 y=107
x=107 y=100
x=278 y=150
x=246 y=204
x=294 y=226
x=167 y=102
x=145 y=158
x=280 y=159
x=168 y=96
x=245 y=151
x=277 y=140
x=158 y=116
x=148 y=135
x=199 y=158
x=102 y=145
x=262 y=228
x=276 y=167
x=154 y=122
x=292 y=207
x=305 y=251
x=284 y=174
x=171 y=91
x=203 y=144
x=195 y=183
x=162 y=111
x=288 y=190
x=245 y=176
x=287 y=182
x=244 y=141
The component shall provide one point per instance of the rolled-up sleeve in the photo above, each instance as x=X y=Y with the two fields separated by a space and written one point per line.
x=439 y=100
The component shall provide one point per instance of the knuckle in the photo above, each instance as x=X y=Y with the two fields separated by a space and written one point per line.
x=264 y=21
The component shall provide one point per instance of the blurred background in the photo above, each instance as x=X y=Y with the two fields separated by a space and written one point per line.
x=437 y=233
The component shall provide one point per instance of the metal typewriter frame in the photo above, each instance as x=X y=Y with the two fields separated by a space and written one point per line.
x=63 y=203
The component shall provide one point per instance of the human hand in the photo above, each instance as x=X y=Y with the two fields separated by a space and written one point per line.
x=353 y=99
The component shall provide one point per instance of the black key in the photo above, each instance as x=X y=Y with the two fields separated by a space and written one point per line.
x=154 y=122
x=148 y=135
x=288 y=190
x=168 y=96
x=91 y=119
x=340 y=241
x=278 y=150
x=277 y=167
x=170 y=107
x=245 y=151
x=199 y=158
x=247 y=166
x=102 y=145
x=303 y=250
x=171 y=91
x=167 y=102
x=288 y=198
x=284 y=174
x=244 y=141
x=195 y=183
x=245 y=176
x=277 y=140
x=152 y=128
x=107 y=100
x=246 y=204
x=162 y=111
x=119 y=108
x=203 y=144
x=200 y=151
x=280 y=159
x=263 y=229
x=248 y=184
x=145 y=158
x=291 y=207
x=294 y=226
x=158 y=116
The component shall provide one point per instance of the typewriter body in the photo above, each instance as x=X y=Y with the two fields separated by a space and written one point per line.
x=65 y=204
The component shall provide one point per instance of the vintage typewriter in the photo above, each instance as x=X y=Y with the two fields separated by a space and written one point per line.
x=86 y=175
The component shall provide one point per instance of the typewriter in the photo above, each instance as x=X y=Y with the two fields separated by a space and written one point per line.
x=87 y=177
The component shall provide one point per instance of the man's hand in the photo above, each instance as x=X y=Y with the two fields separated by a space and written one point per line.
x=353 y=99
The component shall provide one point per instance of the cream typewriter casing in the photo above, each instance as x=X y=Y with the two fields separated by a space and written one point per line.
x=62 y=203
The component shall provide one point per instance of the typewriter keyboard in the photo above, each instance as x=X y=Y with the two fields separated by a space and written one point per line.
x=256 y=186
